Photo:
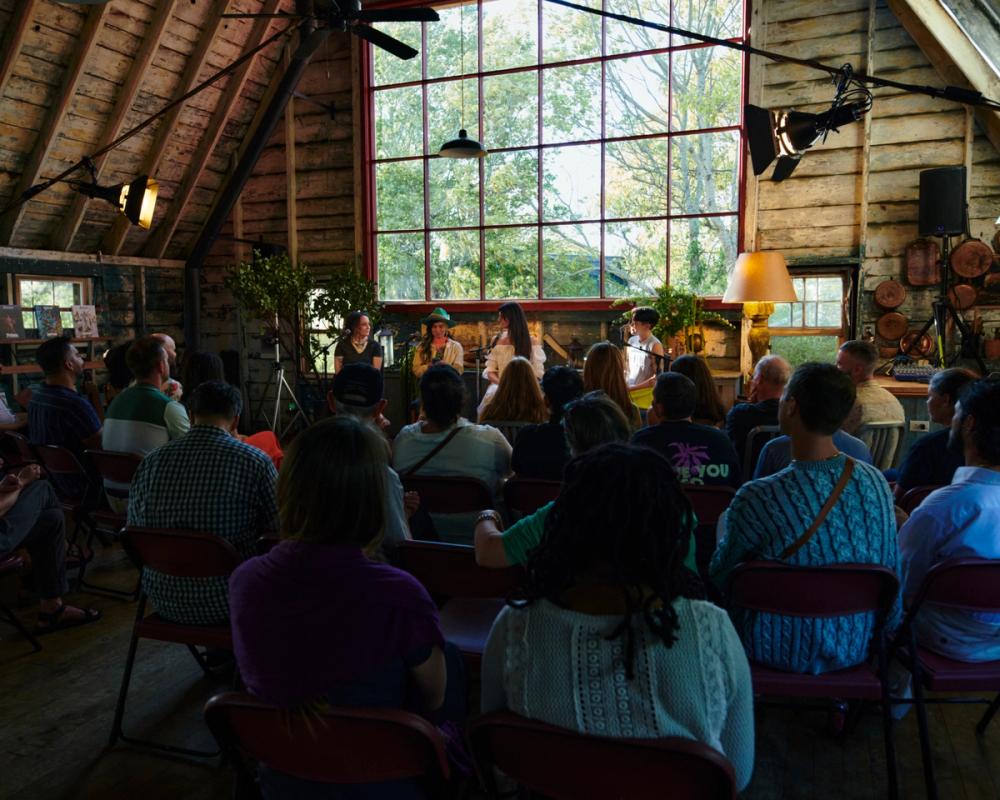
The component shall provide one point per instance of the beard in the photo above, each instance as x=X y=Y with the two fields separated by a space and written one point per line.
x=956 y=442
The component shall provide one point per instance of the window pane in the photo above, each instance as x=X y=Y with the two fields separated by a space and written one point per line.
x=401 y=266
x=831 y=288
x=571 y=260
x=511 y=192
x=702 y=251
x=455 y=265
x=800 y=349
x=399 y=195
x=810 y=290
x=454 y=192
x=28 y=318
x=635 y=179
x=398 y=123
x=637 y=95
x=782 y=316
x=623 y=37
x=388 y=68
x=510 y=34
x=444 y=111
x=706 y=89
x=510 y=110
x=571 y=103
x=569 y=33
x=66 y=294
x=512 y=263
x=635 y=257
x=704 y=173
x=829 y=315
x=720 y=18
x=572 y=182
x=445 y=42
x=37 y=293
x=67 y=320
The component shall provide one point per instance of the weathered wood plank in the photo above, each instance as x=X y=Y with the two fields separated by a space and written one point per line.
x=810 y=192
x=13 y=38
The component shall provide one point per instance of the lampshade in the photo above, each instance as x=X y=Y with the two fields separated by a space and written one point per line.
x=462 y=147
x=760 y=277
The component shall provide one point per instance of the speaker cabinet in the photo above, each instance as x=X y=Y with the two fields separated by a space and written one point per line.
x=942 y=201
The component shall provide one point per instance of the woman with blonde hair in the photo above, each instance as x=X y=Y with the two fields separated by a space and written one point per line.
x=604 y=371
x=518 y=397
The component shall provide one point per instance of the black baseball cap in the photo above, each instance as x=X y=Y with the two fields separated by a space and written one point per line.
x=358 y=384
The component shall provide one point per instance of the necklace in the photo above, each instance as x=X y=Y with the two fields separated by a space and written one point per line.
x=360 y=346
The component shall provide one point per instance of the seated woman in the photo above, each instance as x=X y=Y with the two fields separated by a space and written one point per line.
x=541 y=451
x=601 y=639
x=437 y=346
x=709 y=409
x=357 y=343
x=604 y=371
x=306 y=630
x=514 y=339
x=518 y=397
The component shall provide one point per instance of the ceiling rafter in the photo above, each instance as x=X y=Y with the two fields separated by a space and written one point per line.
x=13 y=38
x=54 y=117
x=157 y=243
x=63 y=236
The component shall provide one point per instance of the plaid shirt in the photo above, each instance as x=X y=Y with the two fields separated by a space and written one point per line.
x=204 y=481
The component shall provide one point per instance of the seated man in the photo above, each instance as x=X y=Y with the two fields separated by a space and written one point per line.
x=769 y=379
x=699 y=454
x=210 y=481
x=540 y=451
x=960 y=520
x=447 y=444
x=768 y=518
x=777 y=453
x=171 y=387
x=857 y=359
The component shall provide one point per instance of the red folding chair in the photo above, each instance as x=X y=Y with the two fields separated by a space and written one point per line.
x=10 y=564
x=449 y=495
x=836 y=590
x=469 y=596
x=345 y=745
x=524 y=496
x=960 y=584
x=181 y=554
x=914 y=497
x=566 y=765
x=708 y=502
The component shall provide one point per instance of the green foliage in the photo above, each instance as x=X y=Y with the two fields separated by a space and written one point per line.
x=800 y=349
x=679 y=309
x=270 y=286
x=343 y=290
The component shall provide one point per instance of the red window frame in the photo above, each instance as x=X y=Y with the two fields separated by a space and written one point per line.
x=368 y=194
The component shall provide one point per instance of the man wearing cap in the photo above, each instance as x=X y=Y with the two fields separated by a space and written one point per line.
x=437 y=347
x=357 y=392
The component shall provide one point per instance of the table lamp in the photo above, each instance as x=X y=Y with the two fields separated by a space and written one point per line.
x=759 y=280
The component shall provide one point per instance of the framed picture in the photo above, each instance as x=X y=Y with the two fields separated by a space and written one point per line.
x=49 y=321
x=85 y=322
x=11 y=323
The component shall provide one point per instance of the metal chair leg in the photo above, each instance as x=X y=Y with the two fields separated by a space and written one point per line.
x=922 y=727
x=13 y=620
x=116 y=726
x=888 y=730
x=991 y=710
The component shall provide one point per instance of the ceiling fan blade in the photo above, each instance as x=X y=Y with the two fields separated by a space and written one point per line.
x=397 y=15
x=383 y=40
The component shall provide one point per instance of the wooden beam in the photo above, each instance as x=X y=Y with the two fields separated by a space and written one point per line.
x=291 y=184
x=13 y=38
x=158 y=241
x=952 y=54
x=63 y=237
x=114 y=238
x=54 y=117
x=50 y=256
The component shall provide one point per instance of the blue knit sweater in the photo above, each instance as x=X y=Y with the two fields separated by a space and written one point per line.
x=769 y=514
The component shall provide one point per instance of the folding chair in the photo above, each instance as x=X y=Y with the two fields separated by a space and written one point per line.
x=469 y=596
x=566 y=765
x=961 y=584
x=345 y=745
x=756 y=439
x=442 y=494
x=830 y=591
x=914 y=497
x=181 y=554
x=9 y=564
x=884 y=440
x=15 y=451
x=524 y=496
x=708 y=501
x=510 y=430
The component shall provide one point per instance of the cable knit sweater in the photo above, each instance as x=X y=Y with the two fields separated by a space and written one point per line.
x=769 y=514
x=558 y=666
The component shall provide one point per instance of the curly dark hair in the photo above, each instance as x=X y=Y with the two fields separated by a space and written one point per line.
x=631 y=533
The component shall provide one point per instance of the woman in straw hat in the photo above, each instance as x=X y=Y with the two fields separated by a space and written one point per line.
x=437 y=347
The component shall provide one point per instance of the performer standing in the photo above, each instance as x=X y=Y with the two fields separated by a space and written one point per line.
x=437 y=346
x=514 y=339
x=644 y=352
x=356 y=344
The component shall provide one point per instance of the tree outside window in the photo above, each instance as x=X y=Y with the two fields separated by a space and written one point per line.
x=41 y=291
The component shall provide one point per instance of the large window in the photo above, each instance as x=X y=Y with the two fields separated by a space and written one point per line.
x=614 y=152
x=814 y=327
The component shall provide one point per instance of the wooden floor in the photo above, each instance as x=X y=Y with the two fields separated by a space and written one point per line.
x=56 y=708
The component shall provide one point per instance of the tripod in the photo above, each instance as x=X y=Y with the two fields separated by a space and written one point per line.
x=281 y=383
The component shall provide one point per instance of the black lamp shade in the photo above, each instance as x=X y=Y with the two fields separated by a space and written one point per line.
x=462 y=147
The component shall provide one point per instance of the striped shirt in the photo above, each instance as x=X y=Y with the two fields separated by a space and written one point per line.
x=205 y=481
x=60 y=416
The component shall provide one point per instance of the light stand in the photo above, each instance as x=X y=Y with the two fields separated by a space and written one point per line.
x=281 y=383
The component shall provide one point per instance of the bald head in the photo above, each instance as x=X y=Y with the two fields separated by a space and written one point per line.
x=169 y=346
x=770 y=376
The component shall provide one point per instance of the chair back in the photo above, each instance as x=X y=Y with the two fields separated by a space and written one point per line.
x=180 y=553
x=914 y=497
x=708 y=501
x=884 y=440
x=969 y=584
x=564 y=765
x=341 y=745
x=756 y=439
x=449 y=495
x=15 y=450
x=113 y=465
x=509 y=429
x=450 y=570
x=524 y=496
x=57 y=460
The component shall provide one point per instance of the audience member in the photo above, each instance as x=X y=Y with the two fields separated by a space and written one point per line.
x=208 y=481
x=357 y=343
x=437 y=346
x=31 y=517
x=769 y=519
x=200 y=366
x=518 y=397
x=961 y=520
x=604 y=371
x=316 y=622
x=601 y=638
x=699 y=454
x=541 y=451
x=644 y=357
x=768 y=382
x=777 y=453
x=446 y=444
x=708 y=409
x=930 y=461
x=119 y=375
x=172 y=388
x=857 y=358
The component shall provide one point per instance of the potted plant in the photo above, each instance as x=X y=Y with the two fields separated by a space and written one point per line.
x=682 y=314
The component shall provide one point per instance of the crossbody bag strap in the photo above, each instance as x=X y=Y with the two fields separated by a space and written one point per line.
x=431 y=454
x=831 y=501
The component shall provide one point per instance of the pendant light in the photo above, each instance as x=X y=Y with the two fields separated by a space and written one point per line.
x=463 y=146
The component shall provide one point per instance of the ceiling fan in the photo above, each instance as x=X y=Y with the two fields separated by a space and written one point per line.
x=347 y=15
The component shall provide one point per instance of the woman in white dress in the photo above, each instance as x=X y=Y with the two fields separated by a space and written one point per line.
x=514 y=339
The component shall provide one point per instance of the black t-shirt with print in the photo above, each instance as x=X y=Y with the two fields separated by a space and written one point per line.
x=699 y=454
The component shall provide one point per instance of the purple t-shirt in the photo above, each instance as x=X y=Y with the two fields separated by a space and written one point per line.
x=310 y=619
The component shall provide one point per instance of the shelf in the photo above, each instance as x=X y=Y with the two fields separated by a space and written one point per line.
x=42 y=341
x=28 y=369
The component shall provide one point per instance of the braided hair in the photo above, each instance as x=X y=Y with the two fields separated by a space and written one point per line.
x=621 y=520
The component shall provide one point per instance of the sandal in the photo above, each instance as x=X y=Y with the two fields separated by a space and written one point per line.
x=55 y=622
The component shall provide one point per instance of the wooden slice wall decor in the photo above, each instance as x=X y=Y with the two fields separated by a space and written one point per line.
x=922 y=262
x=992 y=281
x=962 y=296
x=888 y=352
x=971 y=258
x=890 y=294
x=921 y=349
x=892 y=325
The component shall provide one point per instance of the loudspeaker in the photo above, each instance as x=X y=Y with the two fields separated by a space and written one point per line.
x=942 y=201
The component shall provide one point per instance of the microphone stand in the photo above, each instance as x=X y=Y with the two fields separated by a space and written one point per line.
x=659 y=359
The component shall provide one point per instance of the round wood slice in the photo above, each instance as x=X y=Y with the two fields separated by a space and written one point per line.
x=890 y=294
x=992 y=281
x=962 y=296
x=922 y=262
x=971 y=258
x=892 y=325
x=921 y=349
x=888 y=352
